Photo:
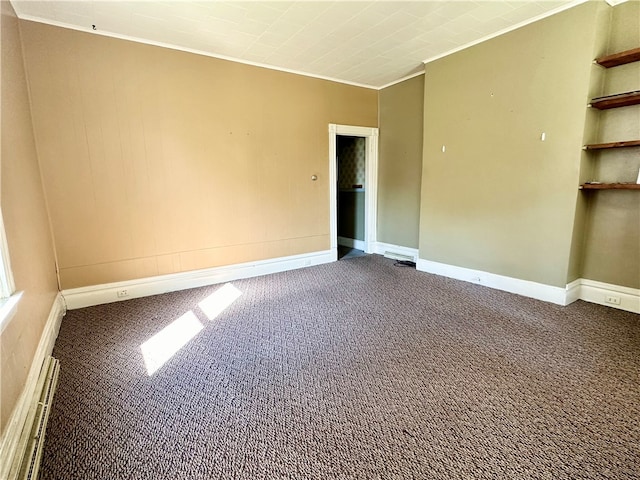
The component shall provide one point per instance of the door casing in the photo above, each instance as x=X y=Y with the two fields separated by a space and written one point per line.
x=370 y=187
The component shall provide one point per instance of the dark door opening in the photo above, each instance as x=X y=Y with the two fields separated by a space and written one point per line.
x=351 y=160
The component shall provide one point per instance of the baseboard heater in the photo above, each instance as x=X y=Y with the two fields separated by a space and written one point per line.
x=34 y=430
x=398 y=256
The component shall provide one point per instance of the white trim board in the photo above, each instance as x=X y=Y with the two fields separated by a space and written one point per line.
x=540 y=291
x=351 y=243
x=403 y=79
x=14 y=444
x=573 y=291
x=229 y=58
x=580 y=289
x=8 y=308
x=524 y=23
x=370 y=135
x=597 y=292
x=144 y=287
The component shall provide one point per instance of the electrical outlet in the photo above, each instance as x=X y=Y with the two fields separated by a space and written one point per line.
x=122 y=293
x=612 y=299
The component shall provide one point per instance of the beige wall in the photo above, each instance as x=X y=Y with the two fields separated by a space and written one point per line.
x=499 y=199
x=157 y=161
x=400 y=162
x=612 y=234
x=26 y=223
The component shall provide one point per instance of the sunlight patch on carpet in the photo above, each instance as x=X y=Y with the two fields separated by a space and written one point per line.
x=214 y=304
x=167 y=342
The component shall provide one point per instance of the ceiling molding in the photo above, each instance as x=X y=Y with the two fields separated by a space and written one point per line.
x=371 y=44
x=537 y=18
x=400 y=80
x=190 y=50
x=613 y=3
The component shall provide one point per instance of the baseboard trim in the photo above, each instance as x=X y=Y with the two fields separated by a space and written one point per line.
x=540 y=291
x=351 y=243
x=597 y=292
x=381 y=248
x=580 y=289
x=14 y=443
x=144 y=287
x=573 y=291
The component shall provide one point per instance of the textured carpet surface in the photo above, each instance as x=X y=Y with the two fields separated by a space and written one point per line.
x=351 y=370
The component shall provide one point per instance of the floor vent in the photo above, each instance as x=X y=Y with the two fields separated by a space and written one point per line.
x=46 y=386
x=398 y=256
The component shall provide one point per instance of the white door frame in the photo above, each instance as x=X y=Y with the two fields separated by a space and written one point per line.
x=370 y=186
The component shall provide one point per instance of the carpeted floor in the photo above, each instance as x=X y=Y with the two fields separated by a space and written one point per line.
x=350 y=370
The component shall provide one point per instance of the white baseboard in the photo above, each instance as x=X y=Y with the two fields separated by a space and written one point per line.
x=580 y=289
x=143 y=287
x=597 y=292
x=573 y=291
x=381 y=248
x=14 y=443
x=540 y=291
x=351 y=243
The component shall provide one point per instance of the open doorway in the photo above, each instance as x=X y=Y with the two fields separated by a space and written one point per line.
x=355 y=192
x=350 y=157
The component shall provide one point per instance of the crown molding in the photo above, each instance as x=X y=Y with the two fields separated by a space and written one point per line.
x=190 y=50
x=510 y=29
x=403 y=79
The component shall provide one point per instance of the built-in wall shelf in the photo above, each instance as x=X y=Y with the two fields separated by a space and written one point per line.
x=610 y=186
x=619 y=58
x=617 y=100
x=602 y=146
x=614 y=101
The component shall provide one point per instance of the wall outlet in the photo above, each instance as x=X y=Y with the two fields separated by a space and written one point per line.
x=612 y=299
x=122 y=293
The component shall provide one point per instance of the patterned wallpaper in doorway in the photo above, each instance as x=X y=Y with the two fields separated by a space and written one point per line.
x=351 y=161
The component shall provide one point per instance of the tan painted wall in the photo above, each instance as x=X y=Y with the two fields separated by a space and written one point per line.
x=157 y=161
x=612 y=237
x=400 y=162
x=499 y=199
x=26 y=224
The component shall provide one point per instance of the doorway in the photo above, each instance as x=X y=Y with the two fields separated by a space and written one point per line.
x=353 y=188
x=350 y=158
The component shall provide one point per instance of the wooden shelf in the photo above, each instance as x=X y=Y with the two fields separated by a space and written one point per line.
x=615 y=101
x=610 y=186
x=615 y=59
x=601 y=146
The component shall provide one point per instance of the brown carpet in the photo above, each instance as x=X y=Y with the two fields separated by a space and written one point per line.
x=351 y=370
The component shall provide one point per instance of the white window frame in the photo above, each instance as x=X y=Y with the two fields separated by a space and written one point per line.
x=8 y=298
x=7 y=285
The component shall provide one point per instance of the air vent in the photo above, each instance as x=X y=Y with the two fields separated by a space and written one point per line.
x=47 y=384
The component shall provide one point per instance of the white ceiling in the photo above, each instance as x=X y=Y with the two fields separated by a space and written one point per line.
x=370 y=43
